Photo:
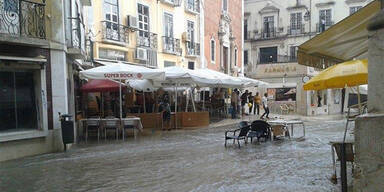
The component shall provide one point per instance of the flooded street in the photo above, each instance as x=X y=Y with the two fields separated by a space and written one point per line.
x=185 y=160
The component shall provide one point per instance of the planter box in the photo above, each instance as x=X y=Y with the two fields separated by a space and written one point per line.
x=194 y=119
x=149 y=120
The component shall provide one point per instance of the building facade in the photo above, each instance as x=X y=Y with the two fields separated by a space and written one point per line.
x=150 y=33
x=273 y=31
x=223 y=36
x=40 y=42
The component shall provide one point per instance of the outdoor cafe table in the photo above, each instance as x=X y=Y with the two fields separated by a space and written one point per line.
x=135 y=121
x=289 y=123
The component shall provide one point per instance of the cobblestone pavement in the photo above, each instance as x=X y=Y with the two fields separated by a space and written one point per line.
x=184 y=160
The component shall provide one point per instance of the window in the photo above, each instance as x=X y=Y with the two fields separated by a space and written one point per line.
x=293 y=53
x=143 y=20
x=269 y=26
x=245 y=57
x=225 y=5
x=268 y=55
x=168 y=25
x=325 y=17
x=169 y=64
x=112 y=54
x=192 y=5
x=213 y=51
x=246 y=29
x=235 y=57
x=296 y=23
x=352 y=10
x=191 y=65
x=18 y=101
x=111 y=18
x=191 y=31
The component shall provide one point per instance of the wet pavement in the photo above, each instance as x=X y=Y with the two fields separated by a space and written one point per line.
x=183 y=160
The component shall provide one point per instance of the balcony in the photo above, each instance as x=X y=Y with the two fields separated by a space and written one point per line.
x=146 y=39
x=76 y=38
x=192 y=49
x=321 y=28
x=271 y=33
x=171 y=45
x=192 y=6
x=175 y=3
x=273 y=59
x=22 y=18
x=296 y=30
x=114 y=33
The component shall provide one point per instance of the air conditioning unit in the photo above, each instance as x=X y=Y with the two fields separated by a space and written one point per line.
x=141 y=54
x=132 y=22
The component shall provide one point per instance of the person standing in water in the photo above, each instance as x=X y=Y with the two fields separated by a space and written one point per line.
x=265 y=106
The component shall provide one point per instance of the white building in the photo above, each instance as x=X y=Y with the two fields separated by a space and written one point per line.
x=273 y=30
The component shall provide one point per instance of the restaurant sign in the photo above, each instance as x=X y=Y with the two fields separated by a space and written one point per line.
x=289 y=69
x=122 y=76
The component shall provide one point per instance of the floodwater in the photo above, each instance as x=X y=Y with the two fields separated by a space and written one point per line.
x=183 y=160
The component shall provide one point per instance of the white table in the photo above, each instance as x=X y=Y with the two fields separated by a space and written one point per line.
x=289 y=123
x=135 y=121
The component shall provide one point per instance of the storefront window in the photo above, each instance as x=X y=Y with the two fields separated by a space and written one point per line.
x=282 y=94
x=17 y=101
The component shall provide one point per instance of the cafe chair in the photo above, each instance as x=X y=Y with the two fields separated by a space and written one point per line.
x=111 y=124
x=259 y=129
x=92 y=126
x=242 y=133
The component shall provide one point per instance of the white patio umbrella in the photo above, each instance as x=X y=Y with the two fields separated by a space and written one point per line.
x=213 y=78
x=248 y=82
x=120 y=71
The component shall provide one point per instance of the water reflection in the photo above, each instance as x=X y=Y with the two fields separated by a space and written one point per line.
x=193 y=160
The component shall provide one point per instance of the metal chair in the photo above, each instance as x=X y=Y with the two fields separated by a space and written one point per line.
x=127 y=124
x=243 y=131
x=92 y=125
x=260 y=129
x=113 y=124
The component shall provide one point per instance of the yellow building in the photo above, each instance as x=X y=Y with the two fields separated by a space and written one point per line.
x=146 y=32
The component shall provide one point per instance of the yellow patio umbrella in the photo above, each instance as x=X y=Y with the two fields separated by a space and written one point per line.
x=347 y=74
x=350 y=74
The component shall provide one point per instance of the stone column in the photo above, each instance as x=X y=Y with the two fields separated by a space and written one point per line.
x=369 y=129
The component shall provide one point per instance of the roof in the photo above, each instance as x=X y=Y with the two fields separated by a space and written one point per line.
x=346 y=40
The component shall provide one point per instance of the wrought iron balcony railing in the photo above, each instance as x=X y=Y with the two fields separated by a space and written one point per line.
x=171 y=45
x=22 y=18
x=192 y=49
x=320 y=28
x=276 y=59
x=146 y=39
x=296 y=30
x=269 y=33
x=192 y=6
x=175 y=3
x=115 y=32
x=77 y=29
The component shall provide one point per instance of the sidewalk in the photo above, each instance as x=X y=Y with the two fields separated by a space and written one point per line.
x=229 y=121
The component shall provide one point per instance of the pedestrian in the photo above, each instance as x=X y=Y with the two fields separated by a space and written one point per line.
x=238 y=102
x=265 y=106
x=243 y=98
x=256 y=104
x=165 y=109
x=234 y=103
x=250 y=102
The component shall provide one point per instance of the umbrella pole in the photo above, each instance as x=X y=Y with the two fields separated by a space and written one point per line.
x=121 y=107
x=187 y=99
x=176 y=107
x=102 y=105
x=193 y=102
x=203 y=100
x=144 y=101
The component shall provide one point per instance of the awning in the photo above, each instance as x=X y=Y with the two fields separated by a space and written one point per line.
x=280 y=85
x=344 y=41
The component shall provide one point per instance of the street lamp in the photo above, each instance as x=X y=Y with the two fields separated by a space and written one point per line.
x=307 y=15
